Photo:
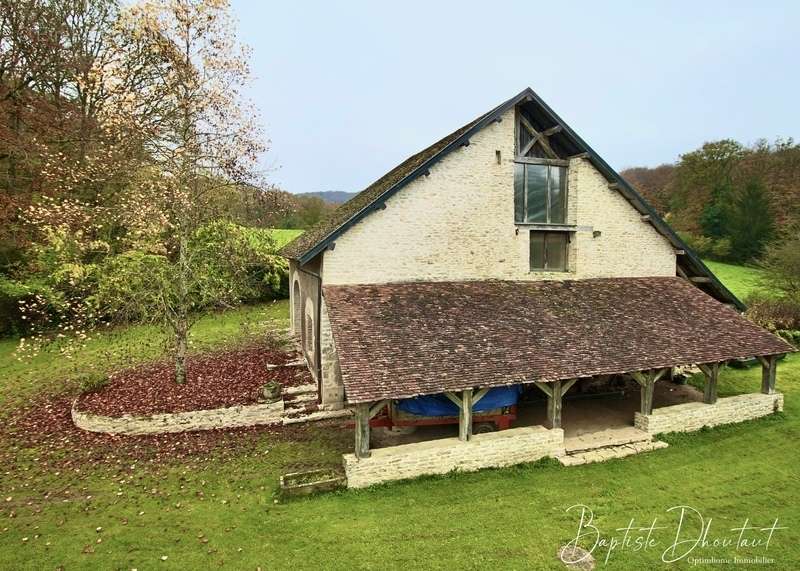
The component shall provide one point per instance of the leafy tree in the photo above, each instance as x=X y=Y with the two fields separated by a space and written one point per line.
x=750 y=222
x=159 y=244
x=782 y=264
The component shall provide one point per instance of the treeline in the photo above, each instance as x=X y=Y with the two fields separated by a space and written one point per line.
x=740 y=204
x=729 y=201
x=129 y=180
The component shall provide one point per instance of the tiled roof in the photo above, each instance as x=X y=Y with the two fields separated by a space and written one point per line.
x=403 y=340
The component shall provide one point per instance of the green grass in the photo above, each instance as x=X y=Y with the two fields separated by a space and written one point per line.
x=283 y=236
x=512 y=518
x=107 y=351
x=741 y=280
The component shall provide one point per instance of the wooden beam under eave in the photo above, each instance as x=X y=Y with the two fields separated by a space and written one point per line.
x=700 y=279
x=551 y=131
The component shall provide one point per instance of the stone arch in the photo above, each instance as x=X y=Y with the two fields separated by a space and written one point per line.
x=308 y=329
x=297 y=308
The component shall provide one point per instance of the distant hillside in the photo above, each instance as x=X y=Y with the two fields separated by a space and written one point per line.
x=332 y=196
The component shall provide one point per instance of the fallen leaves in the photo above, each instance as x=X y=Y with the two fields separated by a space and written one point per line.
x=222 y=378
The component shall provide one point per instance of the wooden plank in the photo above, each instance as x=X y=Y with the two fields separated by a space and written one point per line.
x=362 y=430
x=647 y=396
x=711 y=373
x=542 y=161
x=700 y=279
x=568 y=385
x=639 y=377
x=465 y=416
x=554 y=405
x=479 y=395
x=613 y=186
x=376 y=408
x=580 y=156
x=768 y=374
x=453 y=398
x=526 y=149
x=547 y=148
x=545 y=388
x=527 y=124
x=551 y=131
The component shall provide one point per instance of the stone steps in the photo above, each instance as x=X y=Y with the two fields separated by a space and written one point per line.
x=605 y=438
x=609 y=452
x=314 y=415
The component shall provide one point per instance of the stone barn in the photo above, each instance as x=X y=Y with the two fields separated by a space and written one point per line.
x=509 y=257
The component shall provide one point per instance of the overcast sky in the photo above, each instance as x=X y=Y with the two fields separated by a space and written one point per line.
x=347 y=90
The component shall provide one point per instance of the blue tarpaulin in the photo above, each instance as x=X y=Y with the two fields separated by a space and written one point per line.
x=440 y=405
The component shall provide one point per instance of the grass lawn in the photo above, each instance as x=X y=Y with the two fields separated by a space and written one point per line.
x=283 y=236
x=740 y=280
x=219 y=511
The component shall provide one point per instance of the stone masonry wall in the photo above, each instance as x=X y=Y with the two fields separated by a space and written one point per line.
x=695 y=415
x=495 y=449
x=245 y=415
x=458 y=224
x=332 y=386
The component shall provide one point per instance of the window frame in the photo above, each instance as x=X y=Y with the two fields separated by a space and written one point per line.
x=524 y=163
x=567 y=237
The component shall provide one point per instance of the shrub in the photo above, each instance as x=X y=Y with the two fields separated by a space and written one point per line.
x=706 y=247
x=92 y=382
x=774 y=313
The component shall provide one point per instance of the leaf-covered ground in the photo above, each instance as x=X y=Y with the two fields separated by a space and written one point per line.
x=216 y=379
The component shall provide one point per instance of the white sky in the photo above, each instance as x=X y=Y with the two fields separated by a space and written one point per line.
x=347 y=90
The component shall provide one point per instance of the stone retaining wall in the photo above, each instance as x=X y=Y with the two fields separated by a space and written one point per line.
x=495 y=449
x=231 y=417
x=695 y=415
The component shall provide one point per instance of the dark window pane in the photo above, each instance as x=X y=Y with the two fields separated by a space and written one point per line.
x=556 y=251
x=519 y=193
x=537 y=250
x=558 y=195
x=536 y=188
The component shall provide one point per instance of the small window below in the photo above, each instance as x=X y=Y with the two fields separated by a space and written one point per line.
x=540 y=194
x=549 y=251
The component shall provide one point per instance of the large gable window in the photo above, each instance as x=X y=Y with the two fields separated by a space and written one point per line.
x=549 y=251
x=540 y=194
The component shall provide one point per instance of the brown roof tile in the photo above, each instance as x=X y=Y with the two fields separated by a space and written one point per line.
x=402 y=340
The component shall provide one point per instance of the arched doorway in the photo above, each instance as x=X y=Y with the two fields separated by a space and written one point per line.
x=297 y=309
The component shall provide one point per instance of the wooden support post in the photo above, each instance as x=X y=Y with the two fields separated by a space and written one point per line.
x=647 y=381
x=769 y=369
x=465 y=416
x=362 y=430
x=711 y=372
x=554 y=405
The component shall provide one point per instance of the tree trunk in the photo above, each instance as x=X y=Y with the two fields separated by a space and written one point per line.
x=181 y=338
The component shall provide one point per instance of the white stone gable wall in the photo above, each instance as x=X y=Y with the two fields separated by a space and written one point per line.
x=458 y=224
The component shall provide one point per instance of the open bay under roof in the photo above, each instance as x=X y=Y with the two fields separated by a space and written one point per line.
x=409 y=339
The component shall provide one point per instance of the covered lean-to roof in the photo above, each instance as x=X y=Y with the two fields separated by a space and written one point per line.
x=323 y=235
x=403 y=340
